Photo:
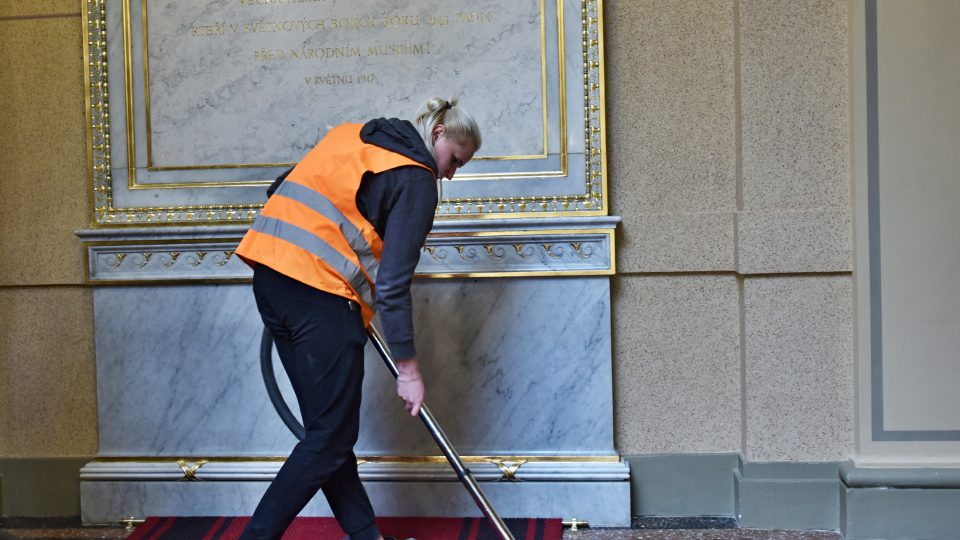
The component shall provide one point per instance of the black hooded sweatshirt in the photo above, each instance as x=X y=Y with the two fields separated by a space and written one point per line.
x=400 y=204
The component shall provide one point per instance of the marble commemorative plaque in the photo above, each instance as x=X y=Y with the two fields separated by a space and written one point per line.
x=195 y=106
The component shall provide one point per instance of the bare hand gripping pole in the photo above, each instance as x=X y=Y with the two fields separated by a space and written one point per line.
x=444 y=443
x=269 y=379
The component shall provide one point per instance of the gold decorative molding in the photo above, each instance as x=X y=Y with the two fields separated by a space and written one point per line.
x=131 y=522
x=508 y=468
x=372 y=468
x=525 y=252
x=590 y=200
x=190 y=468
x=174 y=255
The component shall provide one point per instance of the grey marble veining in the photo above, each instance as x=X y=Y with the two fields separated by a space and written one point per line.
x=179 y=364
x=124 y=131
x=529 y=358
x=602 y=504
x=250 y=70
x=513 y=367
x=116 y=85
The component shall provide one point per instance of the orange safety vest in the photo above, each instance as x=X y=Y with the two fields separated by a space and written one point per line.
x=311 y=229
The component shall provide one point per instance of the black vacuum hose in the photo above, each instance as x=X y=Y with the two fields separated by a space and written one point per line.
x=270 y=380
x=266 y=366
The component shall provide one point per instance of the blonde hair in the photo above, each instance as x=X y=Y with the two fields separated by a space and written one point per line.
x=459 y=125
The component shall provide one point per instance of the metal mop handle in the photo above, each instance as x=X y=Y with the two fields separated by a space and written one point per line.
x=464 y=473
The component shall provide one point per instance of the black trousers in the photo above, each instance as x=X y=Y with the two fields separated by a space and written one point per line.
x=320 y=339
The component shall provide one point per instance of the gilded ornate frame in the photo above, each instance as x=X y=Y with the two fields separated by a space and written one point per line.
x=590 y=201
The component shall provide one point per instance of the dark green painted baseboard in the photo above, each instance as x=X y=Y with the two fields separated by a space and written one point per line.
x=878 y=504
x=788 y=495
x=900 y=514
x=39 y=487
x=682 y=485
x=899 y=504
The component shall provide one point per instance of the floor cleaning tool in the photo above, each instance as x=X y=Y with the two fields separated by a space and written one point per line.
x=266 y=367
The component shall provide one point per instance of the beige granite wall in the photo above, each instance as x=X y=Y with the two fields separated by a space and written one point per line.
x=47 y=383
x=728 y=152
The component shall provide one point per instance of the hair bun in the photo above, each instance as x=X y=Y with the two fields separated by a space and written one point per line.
x=459 y=124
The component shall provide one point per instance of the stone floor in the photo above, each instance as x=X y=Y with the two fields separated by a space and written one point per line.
x=70 y=529
x=59 y=528
x=697 y=534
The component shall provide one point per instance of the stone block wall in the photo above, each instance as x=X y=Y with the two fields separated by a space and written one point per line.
x=729 y=153
x=48 y=403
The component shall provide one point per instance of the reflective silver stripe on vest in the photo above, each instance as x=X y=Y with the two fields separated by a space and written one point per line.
x=317 y=246
x=322 y=205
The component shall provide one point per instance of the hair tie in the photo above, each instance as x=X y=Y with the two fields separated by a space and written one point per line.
x=447 y=107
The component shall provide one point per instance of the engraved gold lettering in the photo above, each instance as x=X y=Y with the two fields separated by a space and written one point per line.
x=393 y=49
x=324 y=52
x=264 y=55
x=334 y=79
x=215 y=29
x=353 y=22
x=277 y=2
x=474 y=17
x=301 y=25
x=400 y=20
x=330 y=79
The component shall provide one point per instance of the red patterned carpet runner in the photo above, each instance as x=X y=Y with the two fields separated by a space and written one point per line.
x=315 y=528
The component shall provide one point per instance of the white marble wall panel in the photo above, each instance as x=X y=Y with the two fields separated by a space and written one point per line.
x=116 y=85
x=262 y=74
x=505 y=345
x=603 y=504
x=178 y=371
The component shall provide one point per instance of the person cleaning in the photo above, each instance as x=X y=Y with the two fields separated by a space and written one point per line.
x=338 y=240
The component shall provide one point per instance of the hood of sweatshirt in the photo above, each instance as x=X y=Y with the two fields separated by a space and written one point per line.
x=399 y=136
